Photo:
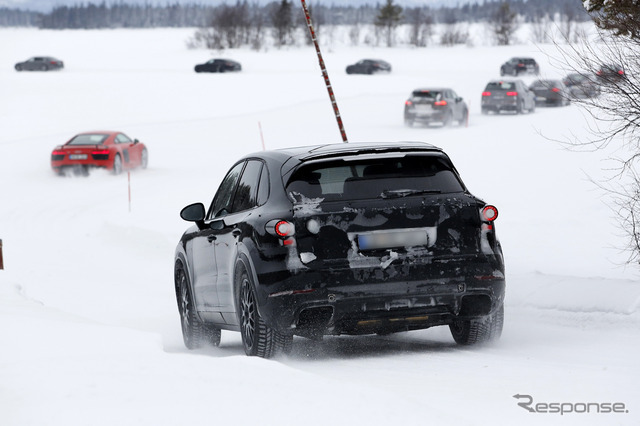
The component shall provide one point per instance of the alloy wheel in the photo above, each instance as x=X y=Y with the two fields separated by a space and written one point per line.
x=248 y=313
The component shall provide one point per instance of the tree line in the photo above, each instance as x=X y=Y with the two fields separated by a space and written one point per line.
x=122 y=15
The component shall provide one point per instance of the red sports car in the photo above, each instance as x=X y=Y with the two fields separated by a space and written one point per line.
x=113 y=151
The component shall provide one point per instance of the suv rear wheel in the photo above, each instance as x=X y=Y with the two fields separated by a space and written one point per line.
x=471 y=332
x=258 y=338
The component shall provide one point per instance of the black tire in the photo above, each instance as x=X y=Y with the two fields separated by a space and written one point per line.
x=448 y=119
x=464 y=119
x=408 y=122
x=520 y=107
x=117 y=164
x=482 y=330
x=258 y=338
x=193 y=331
x=144 y=158
x=18 y=68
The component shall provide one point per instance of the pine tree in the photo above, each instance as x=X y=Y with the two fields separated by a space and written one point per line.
x=388 y=19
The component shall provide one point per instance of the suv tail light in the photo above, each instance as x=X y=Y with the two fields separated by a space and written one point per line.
x=282 y=229
x=512 y=93
x=486 y=93
x=440 y=103
x=555 y=89
x=408 y=103
x=489 y=213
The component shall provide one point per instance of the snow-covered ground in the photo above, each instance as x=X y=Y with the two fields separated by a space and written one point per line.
x=89 y=330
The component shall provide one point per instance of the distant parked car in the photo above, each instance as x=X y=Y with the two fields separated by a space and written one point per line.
x=550 y=92
x=357 y=238
x=610 y=72
x=40 y=63
x=110 y=150
x=507 y=95
x=581 y=86
x=219 y=65
x=519 y=65
x=440 y=105
x=369 y=66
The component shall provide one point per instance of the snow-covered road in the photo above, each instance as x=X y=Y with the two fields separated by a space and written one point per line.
x=89 y=329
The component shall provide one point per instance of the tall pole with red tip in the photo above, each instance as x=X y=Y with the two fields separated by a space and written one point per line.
x=325 y=74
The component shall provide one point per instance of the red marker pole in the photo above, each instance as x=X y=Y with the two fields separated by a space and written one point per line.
x=325 y=74
x=1 y=261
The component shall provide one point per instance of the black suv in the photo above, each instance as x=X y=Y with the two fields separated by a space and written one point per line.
x=520 y=65
x=339 y=239
x=218 y=65
x=369 y=66
x=441 y=105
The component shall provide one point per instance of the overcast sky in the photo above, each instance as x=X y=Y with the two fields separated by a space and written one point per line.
x=47 y=5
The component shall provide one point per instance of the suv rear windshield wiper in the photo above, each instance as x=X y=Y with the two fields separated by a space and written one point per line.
x=397 y=193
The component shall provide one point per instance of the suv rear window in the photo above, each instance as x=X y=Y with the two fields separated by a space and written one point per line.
x=427 y=94
x=500 y=85
x=374 y=178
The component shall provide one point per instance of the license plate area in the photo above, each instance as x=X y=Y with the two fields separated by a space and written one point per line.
x=78 y=157
x=395 y=238
x=424 y=108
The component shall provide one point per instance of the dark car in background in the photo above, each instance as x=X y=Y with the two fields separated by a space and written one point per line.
x=519 y=65
x=110 y=150
x=40 y=63
x=339 y=239
x=435 y=105
x=507 y=95
x=581 y=86
x=219 y=65
x=550 y=93
x=610 y=72
x=369 y=66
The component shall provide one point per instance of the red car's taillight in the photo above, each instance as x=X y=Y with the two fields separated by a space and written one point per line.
x=512 y=93
x=100 y=152
x=58 y=152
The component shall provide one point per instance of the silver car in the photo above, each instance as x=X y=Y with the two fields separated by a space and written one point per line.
x=40 y=63
x=507 y=95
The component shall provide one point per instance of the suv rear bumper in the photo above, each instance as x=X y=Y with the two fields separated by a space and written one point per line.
x=315 y=303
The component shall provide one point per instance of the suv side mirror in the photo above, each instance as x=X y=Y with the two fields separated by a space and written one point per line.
x=193 y=213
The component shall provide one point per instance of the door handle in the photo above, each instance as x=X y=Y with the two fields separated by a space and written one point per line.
x=236 y=232
x=211 y=238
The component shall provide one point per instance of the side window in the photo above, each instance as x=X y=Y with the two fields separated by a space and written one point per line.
x=247 y=192
x=263 y=188
x=120 y=138
x=221 y=204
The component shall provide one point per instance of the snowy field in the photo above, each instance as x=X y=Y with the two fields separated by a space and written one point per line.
x=89 y=329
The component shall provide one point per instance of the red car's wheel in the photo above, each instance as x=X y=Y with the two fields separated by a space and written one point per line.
x=144 y=158
x=117 y=165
